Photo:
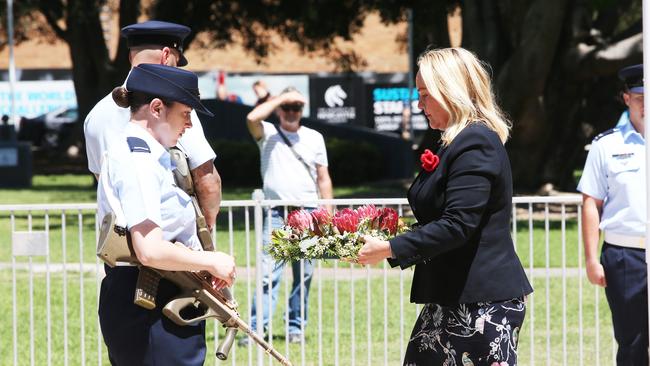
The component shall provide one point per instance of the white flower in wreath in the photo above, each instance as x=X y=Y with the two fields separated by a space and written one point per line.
x=305 y=244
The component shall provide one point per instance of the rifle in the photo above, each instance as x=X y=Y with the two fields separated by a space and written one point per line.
x=148 y=278
x=115 y=245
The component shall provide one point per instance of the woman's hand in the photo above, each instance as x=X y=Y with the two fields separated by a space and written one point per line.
x=596 y=273
x=374 y=250
x=218 y=284
x=223 y=269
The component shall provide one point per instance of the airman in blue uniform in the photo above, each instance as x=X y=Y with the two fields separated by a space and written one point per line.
x=613 y=187
x=137 y=184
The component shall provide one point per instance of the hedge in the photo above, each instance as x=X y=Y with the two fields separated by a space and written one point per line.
x=350 y=162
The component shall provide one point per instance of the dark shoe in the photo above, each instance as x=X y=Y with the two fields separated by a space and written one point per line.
x=295 y=338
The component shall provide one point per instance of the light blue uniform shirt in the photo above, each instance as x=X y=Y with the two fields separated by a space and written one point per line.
x=625 y=118
x=137 y=184
x=615 y=173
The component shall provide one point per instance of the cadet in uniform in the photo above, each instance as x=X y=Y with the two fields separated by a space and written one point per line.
x=137 y=184
x=613 y=187
x=156 y=42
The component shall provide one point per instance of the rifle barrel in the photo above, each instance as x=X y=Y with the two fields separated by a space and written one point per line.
x=212 y=298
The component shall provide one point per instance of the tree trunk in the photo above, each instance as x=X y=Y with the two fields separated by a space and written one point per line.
x=583 y=91
x=575 y=95
x=93 y=74
x=92 y=68
x=519 y=42
x=436 y=36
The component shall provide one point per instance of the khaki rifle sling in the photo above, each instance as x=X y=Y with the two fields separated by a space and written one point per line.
x=183 y=178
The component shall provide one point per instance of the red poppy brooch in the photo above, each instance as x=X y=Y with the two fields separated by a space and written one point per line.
x=429 y=160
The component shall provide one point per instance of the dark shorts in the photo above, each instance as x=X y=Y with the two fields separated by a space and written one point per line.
x=627 y=295
x=478 y=334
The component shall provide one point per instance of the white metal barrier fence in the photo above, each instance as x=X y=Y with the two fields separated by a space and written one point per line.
x=49 y=286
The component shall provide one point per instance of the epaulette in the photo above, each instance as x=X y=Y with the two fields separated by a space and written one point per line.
x=608 y=132
x=137 y=144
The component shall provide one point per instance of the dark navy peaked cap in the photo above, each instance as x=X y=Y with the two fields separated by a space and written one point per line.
x=632 y=76
x=155 y=32
x=168 y=83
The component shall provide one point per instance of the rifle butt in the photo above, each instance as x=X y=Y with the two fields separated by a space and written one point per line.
x=114 y=244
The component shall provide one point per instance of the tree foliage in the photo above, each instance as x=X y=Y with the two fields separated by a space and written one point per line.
x=553 y=61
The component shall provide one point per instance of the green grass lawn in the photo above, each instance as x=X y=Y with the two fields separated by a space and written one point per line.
x=76 y=189
x=556 y=246
x=77 y=239
x=364 y=291
x=241 y=240
x=63 y=188
x=80 y=189
x=70 y=188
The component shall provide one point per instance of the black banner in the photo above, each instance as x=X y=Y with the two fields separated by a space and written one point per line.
x=336 y=99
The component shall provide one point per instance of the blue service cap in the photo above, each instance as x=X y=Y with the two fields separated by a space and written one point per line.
x=168 y=83
x=155 y=32
x=632 y=76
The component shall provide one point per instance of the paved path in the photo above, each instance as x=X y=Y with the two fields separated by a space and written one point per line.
x=343 y=272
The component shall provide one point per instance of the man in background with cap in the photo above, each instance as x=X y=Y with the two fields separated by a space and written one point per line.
x=613 y=187
x=293 y=167
x=156 y=42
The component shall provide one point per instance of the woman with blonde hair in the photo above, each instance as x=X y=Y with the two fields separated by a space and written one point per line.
x=467 y=273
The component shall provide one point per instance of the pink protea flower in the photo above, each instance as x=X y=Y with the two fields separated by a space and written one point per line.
x=367 y=211
x=321 y=219
x=300 y=220
x=387 y=219
x=346 y=220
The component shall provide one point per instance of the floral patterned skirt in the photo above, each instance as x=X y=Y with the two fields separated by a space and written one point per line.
x=484 y=333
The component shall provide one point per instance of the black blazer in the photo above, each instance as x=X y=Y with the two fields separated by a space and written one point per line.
x=462 y=250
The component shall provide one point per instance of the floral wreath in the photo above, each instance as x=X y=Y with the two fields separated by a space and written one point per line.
x=322 y=235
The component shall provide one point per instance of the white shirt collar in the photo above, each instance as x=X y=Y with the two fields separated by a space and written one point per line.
x=628 y=130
